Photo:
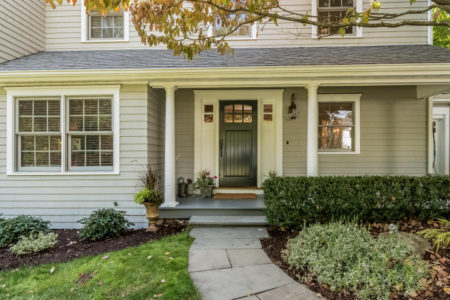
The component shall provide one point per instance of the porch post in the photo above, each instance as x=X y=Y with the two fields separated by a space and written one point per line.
x=170 y=196
x=312 y=132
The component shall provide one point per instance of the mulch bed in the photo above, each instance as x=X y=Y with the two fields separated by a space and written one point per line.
x=70 y=245
x=439 y=262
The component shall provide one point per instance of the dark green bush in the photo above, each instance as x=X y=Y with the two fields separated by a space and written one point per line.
x=292 y=201
x=104 y=223
x=12 y=229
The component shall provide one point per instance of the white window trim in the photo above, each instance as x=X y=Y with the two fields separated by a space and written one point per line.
x=253 y=34
x=61 y=91
x=314 y=33
x=356 y=99
x=85 y=28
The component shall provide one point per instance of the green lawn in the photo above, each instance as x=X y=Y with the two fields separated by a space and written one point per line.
x=125 y=274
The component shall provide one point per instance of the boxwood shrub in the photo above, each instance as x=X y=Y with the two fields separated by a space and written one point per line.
x=104 y=223
x=293 y=201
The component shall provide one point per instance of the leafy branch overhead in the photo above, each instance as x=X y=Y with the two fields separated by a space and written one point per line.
x=186 y=26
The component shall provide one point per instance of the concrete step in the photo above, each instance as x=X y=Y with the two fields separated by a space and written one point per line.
x=199 y=221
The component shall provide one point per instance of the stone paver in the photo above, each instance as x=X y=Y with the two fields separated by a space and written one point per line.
x=225 y=244
x=247 y=257
x=226 y=233
x=234 y=283
x=227 y=263
x=293 y=291
x=212 y=259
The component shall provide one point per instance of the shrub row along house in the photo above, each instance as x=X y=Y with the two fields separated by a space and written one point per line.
x=84 y=107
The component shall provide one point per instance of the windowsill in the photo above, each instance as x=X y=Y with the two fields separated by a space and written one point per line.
x=240 y=38
x=62 y=174
x=338 y=152
x=104 y=41
x=335 y=37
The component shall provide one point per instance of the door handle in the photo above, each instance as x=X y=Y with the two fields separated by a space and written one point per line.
x=221 y=147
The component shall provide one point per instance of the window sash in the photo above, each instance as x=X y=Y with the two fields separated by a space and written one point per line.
x=333 y=9
x=114 y=28
x=352 y=126
x=82 y=133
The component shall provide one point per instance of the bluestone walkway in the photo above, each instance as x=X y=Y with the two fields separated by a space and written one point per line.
x=228 y=263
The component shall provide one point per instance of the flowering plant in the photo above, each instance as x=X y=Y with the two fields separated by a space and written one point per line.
x=205 y=183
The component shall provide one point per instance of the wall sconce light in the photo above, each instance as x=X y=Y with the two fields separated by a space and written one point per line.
x=292 y=109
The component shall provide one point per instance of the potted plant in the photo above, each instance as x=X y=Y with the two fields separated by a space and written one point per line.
x=205 y=183
x=151 y=197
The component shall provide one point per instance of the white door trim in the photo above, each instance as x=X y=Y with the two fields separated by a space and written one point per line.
x=444 y=113
x=206 y=135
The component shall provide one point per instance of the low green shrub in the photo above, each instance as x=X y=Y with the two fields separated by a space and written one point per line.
x=346 y=258
x=34 y=243
x=12 y=229
x=104 y=223
x=292 y=201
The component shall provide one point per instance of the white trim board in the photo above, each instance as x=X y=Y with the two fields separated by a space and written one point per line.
x=270 y=135
x=443 y=113
x=62 y=92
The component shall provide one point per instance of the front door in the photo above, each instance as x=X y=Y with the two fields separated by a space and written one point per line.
x=238 y=143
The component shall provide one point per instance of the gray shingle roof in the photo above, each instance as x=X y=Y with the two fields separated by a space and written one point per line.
x=244 y=57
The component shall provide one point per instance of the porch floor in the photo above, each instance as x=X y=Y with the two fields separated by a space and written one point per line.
x=214 y=207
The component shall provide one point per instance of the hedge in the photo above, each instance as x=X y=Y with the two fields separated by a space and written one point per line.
x=292 y=201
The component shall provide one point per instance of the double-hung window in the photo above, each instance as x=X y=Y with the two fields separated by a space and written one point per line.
x=333 y=11
x=38 y=134
x=338 y=123
x=113 y=27
x=90 y=133
x=56 y=132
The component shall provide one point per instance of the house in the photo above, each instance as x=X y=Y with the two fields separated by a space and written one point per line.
x=84 y=107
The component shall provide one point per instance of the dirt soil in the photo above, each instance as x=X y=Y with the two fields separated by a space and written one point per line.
x=71 y=246
x=439 y=277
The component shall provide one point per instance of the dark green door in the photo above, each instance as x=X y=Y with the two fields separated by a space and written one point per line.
x=237 y=143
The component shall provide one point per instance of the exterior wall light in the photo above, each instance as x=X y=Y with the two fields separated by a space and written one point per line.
x=292 y=109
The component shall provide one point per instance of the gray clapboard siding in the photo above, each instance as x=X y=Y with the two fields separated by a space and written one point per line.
x=155 y=135
x=65 y=199
x=22 y=28
x=67 y=35
x=184 y=133
x=393 y=135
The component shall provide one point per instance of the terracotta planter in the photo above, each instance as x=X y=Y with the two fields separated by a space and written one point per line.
x=152 y=215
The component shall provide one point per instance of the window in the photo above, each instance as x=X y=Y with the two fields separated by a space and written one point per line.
x=38 y=134
x=268 y=110
x=238 y=113
x=109 y=27
x=50 y=132
x=246 y=31
x=90 y=133
x=333 y=11
x=209 y=113
x=338 y=128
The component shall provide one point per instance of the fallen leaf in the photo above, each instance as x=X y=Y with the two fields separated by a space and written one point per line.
x=148 y=257
x=428 y=294
x=3 y=286
x=157 y=295
x=100 y=283
x=413 y=294
x=129 y=253
x=72 y=289
x=170 y=257
x=423 y=282
x=447 y=290
x=163 y=280
x=52 y=270
x=319 y=295
x=105 y=257
x=30 y=292
x=167 y=253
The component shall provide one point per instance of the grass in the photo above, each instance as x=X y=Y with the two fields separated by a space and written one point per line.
x=125 y=274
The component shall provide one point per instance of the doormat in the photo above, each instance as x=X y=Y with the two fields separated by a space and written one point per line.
x=235 y=196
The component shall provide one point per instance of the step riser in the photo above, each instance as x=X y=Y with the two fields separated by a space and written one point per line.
x=238 y=191
x=187 y=213
x=243 y=221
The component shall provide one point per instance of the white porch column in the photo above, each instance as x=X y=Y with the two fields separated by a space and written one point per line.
x=170 y=194
x=312 y=155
